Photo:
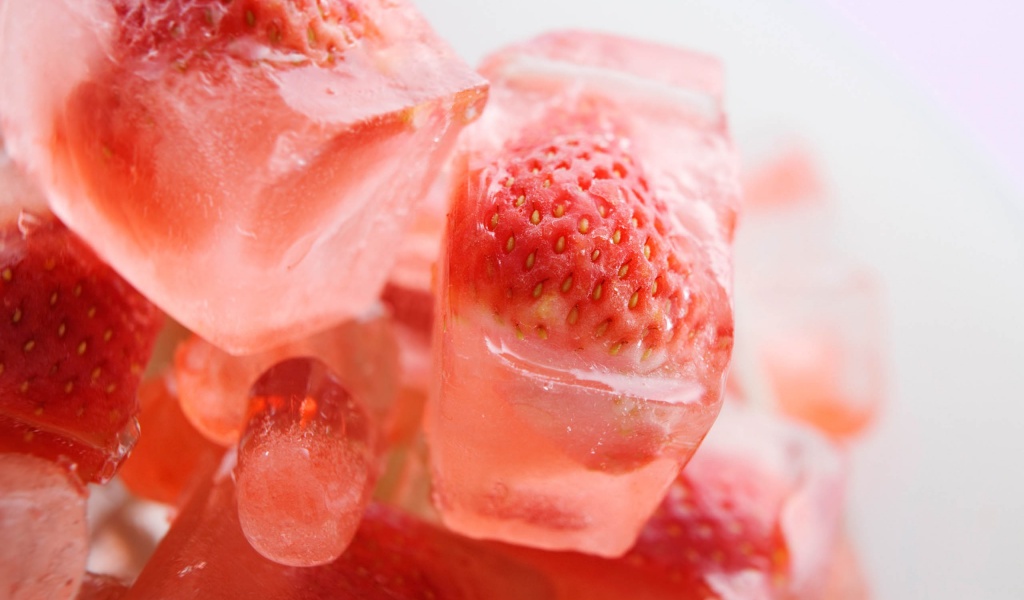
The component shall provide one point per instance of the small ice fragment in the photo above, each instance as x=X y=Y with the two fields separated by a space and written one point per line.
x=43 y=528
x=214 y=386
x=306 y=464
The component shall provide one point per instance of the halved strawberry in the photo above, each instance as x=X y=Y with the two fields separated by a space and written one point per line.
x=75 y=340
x=564 y=240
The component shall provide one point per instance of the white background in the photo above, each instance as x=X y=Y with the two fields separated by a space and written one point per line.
x=938 y=492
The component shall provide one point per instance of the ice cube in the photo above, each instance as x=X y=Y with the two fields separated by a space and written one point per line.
x=249 y=166
x=214 y=386
x=579 y=367
x=306 y=464
x=101 y=587
x=17 y=191
x=846 y=579
x=43 y=528
x=171 y=455
x=819 y=344
x=811 y=320
x=756 y=514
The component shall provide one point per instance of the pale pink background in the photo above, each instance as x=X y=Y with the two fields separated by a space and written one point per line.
x=968 y=57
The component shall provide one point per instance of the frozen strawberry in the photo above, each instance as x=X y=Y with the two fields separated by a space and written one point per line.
x=566 y=242
x=171 y=455
x=76 y=338
x=392 y=557
x=177 y=135
x=755 y=514
x=584 y=321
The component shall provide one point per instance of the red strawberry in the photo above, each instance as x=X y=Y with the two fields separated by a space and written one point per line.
x=181 y=32
x=569 y=243
x=754 y=515
x=719 y=519
x=75 y=340
x=579 y=319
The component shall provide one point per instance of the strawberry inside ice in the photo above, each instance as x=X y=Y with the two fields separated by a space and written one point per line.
x=584 y=318
x=224 y=156
x=576 y=248
x=182 y=32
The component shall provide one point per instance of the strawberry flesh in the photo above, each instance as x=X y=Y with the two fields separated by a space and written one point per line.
x=76 y=338
x=292 y=32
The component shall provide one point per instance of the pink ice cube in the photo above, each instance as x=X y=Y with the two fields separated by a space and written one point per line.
x=43 y=529
x=17 y=191
x=214 y=386
x=811 y=320
x=249 y=166
x=818 y=340
x=756 y=514
x=550 y=416
x=306 y=464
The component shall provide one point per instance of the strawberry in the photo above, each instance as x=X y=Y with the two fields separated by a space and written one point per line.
x=718 y=519
x=294 y=31
x=754 y=515
x=566 y=241
x=76 y=338
x=579 y=319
